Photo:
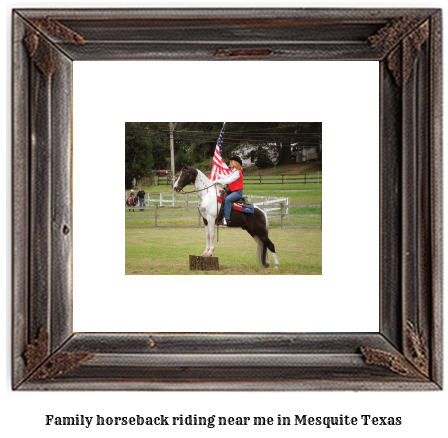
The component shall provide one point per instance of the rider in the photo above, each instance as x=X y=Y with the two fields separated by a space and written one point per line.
x=235 y=184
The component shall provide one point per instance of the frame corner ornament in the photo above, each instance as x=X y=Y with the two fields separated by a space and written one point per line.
x=40 y=365
x=37 y=351
x=396 y=363
x=411 y=34
x=417 y=348
x=40 y=49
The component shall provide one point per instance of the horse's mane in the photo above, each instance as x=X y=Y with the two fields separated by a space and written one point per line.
x=202 y=174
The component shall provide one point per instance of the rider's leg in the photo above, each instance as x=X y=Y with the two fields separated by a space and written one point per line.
x=227 y=204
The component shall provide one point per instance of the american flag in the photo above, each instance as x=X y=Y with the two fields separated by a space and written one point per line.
x=218 y=164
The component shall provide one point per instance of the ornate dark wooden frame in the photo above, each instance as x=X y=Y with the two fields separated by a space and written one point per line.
x=406 y=354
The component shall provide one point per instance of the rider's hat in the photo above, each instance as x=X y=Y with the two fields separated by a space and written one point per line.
x=237 y=159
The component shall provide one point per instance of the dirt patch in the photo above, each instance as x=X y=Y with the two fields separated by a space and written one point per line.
x=300 y=168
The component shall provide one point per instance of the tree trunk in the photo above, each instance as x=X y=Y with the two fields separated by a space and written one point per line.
x=199 y=263
x=284 y=156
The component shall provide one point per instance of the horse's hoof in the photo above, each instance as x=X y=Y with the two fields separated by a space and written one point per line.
x=207 y=254
x=277 y=267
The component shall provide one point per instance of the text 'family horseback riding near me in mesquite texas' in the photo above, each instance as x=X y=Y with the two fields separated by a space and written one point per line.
x=212 y=421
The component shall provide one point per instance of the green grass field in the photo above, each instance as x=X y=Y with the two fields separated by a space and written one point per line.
x=163 y=251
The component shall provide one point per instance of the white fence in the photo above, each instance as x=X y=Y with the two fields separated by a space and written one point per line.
x=174 y=199
x=267 y=200
x=178 y=200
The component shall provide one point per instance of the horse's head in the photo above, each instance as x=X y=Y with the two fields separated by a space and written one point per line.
x=187 y=176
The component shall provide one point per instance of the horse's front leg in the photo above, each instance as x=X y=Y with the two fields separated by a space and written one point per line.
x=207 y=241
x=210 y=234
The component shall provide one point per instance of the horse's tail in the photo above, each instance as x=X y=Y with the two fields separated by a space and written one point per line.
x=267 y=222
x=262 y=249
x=262 y=253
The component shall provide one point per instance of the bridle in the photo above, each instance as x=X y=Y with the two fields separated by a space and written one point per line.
x=194 y=191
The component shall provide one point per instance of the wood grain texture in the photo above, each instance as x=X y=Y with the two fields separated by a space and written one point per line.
x=405 y=354
x=199 y=263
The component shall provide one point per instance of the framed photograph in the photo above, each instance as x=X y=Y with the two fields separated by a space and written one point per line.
x=278 y=166
x=50 y=352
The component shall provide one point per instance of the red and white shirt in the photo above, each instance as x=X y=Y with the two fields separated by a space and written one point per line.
x=234 y=180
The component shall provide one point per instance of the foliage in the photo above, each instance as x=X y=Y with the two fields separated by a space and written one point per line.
x=195 y=142
x=262 y=158
x=139 y=160
x=182 y=157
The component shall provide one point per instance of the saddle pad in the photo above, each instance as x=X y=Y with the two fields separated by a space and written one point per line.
x=246 y=207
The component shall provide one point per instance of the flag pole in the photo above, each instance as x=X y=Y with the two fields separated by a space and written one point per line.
x=218 y=164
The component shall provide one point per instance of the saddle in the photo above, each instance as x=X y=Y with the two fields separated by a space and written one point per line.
x=242 y=204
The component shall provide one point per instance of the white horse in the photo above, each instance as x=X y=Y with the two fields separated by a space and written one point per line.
x=255 y=224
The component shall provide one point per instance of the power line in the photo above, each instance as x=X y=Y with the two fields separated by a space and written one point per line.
x=236 y=139
x=274 y=138
x=252 y=143
x=232 y=134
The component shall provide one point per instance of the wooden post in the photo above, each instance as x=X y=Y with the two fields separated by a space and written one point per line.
x=281 y=214
x=282 y=179
x=260 y=179
x=199 y=263
x=155 y=217
x=172 y=126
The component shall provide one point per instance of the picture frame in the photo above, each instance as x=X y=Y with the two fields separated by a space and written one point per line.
x=406 y=353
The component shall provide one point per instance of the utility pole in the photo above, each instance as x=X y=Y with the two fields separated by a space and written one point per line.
x=172 y=126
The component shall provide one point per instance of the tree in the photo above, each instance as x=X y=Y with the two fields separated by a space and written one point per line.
x=182 y=157
x=159 y=151
x=139 y=159
x=195 y=142
x=262 y=158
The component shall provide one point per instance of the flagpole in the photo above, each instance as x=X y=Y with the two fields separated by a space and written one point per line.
x=218 y=164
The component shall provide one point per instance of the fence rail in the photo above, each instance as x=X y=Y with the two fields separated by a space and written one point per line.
x=278 y=206
x=301 y=178
x=174 y=199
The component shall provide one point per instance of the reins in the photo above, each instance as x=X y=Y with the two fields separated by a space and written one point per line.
x=194 y=191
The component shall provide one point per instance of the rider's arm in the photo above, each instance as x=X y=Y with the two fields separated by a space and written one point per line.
x=230 y=178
